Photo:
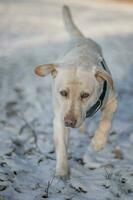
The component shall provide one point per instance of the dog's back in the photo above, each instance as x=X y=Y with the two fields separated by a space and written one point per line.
x=75 y=33
x=70 y=26
x=80 y=50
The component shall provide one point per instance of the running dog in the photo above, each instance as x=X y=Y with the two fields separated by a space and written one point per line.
x=82 y=85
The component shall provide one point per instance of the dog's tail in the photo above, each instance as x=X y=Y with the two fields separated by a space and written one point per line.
x=70 y=26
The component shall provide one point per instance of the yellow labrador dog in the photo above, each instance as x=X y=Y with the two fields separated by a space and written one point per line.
x=82 y=85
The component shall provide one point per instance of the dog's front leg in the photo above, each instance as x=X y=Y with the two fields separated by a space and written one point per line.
x=101 y=135
x=61 y=145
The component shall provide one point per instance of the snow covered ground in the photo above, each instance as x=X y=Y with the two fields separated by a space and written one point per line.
x=32 y=33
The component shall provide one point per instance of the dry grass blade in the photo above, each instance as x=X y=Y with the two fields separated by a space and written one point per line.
x=29 y=125
x=46 y=194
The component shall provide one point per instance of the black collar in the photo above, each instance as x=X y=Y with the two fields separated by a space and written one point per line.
x=99 y=102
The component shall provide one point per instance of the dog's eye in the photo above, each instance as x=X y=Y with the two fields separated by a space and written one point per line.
x=84 y=95
x=64 y=93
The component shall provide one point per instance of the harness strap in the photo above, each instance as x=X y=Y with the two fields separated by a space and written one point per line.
x=99 y=102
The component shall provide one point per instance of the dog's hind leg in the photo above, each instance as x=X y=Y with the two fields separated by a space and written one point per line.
x=101 y=134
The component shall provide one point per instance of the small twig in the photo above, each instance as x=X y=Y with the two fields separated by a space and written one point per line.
x=22 y=129
x=46 y=195
x=108 y=174
x=31 y=128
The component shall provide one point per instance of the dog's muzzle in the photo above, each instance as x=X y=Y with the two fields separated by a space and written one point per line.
x=70 y=122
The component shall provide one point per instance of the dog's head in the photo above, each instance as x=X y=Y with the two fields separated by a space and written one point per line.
x=76 y=89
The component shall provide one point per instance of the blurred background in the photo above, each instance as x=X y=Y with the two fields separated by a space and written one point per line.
x=32 y=33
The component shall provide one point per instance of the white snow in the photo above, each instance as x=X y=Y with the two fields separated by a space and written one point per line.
x=31 y=33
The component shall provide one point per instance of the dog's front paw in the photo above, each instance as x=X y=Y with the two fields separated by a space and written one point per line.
x=63 y=174
x=98 y=142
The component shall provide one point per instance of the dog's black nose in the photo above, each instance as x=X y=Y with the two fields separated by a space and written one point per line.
x=70 y=122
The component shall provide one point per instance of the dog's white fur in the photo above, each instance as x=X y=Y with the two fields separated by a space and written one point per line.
x=78 y=71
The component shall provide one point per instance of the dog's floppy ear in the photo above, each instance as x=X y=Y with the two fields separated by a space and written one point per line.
x=44 y=70
x=103 y=75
